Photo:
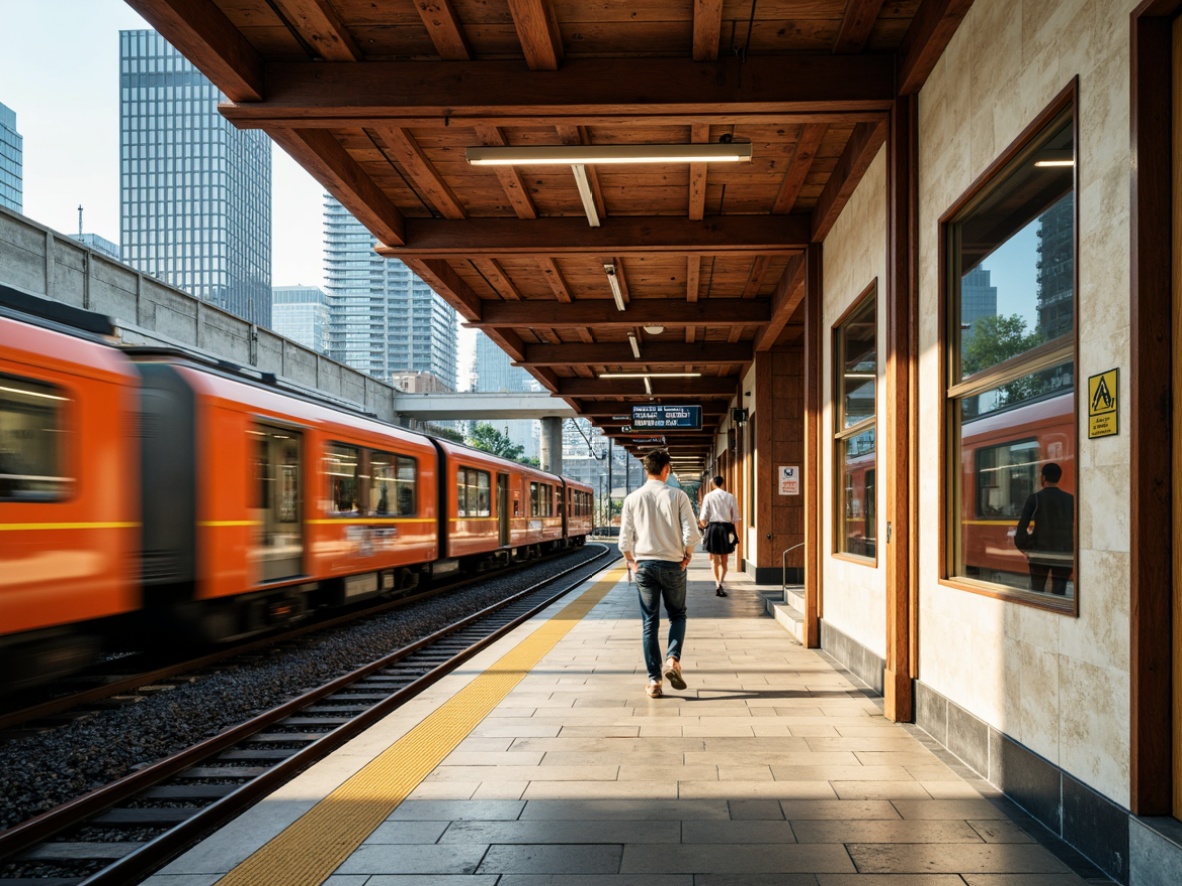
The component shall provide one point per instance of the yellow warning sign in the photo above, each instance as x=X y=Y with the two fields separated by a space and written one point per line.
x=1102 y=400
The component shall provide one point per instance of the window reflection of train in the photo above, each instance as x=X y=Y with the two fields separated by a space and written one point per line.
x=155 y=493
x=1002 y=454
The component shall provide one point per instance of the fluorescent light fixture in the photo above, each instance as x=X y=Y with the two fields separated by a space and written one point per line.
x=650 y=375
x=1052 y=157
x=635 y=346
x=614 y=282
x=585 y=194
x=572 y=155
x=1046 y=164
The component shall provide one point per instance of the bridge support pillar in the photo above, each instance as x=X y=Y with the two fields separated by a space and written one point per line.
x=550 y=450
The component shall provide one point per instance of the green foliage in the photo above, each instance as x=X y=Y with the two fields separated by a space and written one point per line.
x=993 y=340
x=448 y=434
x=488 y=439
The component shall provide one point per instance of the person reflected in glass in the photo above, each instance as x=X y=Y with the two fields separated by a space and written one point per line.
x=1049 y=545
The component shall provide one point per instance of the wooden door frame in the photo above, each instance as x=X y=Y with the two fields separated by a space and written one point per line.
x=1152 y=775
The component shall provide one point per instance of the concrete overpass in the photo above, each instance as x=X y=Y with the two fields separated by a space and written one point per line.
x=477 y=406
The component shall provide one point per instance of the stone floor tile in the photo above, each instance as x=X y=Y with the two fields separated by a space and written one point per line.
x=743 y=832
x=549 y=859
x=415 y=880
x=752 y=880
x=736 y=858
x=638 y=771
x=444 y=790
x=596 y=880
x=879 y=790
x=458 y=810
x=1024 y=880
x=493 y=758
x=950 y=790
x=974 y=809
x=602 y=790
x=1001 y=831
x=780 y=790
x=627 y=810
x=804 y=772
x=926 y=858
x=563 y=831
x=409 y=859
x=884 y=831
x=744 y=773
x=889 y=880
x=845 y=810
x=405 y=831
x=525 y=773
x=756 y=810
x=500 y=790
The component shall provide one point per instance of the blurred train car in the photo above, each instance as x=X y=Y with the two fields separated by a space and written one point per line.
x=1002 y=454
x=153 y=492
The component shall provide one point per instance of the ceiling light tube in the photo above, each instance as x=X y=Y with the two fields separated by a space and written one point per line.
x=570 y=155
x=614 y=282
x=648 y=386
x=650 y=375
x=635 y=345
x=585 y=194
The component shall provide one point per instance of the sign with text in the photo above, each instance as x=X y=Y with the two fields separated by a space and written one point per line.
x=649 y=441
x=789 y=480
x=652 y=417
x=1102 y=420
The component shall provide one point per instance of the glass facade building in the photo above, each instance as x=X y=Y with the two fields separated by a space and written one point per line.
x=495 y=372
x=301 y=314
x=195 y=193
x=11 y=151
x=384 y=320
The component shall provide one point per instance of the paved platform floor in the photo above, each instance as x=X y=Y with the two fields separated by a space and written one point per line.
x=771 y=769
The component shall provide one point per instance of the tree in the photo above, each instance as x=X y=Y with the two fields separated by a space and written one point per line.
x=448 y=434
x=488 y=439
x=995 y=339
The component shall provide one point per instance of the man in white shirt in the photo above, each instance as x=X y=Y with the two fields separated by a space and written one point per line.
x=657 y=537
x=718 y=515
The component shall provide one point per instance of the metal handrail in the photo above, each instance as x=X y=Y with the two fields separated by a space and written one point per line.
x=784 y=566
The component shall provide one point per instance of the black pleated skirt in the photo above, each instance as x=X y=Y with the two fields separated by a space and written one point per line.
x=717 y=538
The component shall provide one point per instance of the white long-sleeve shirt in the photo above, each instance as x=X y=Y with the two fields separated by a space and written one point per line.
x=718 y=506
x=657 y=523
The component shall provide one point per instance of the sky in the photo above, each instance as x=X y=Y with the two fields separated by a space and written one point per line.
x=59 y=71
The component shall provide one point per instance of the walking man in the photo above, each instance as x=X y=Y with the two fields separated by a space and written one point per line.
x=1050 y=545
x=657 y=537
x=718 y=516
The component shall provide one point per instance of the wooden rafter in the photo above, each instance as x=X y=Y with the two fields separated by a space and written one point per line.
x=553 y=277
x=798 y=167
x=707 y=29
x=693 y=271
x=785 y=300
x=851 y=166
x=490 y=269
x=537 y=29
x=444 y=28
x=320 y=27
x=510 y=176
x=856 y=25
x=652 y=354
x=400 y=146
x=699 y=135
x=442 y=278
x=662 y=387
x=755 y=277
x=925 y=41
x=670 y=313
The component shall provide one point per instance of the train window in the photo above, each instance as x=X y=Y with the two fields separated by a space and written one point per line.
x=475 y=492
x=31 y=432
x=855 y=348
x=392 y=484
x=1010 y=247
x=342 y=473
x=534 y=506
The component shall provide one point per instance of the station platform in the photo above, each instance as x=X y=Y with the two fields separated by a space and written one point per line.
x=542 y=762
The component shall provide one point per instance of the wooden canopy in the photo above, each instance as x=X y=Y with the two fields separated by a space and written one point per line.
x=378 y=100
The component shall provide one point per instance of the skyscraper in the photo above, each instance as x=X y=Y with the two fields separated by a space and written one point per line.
x=383 y=319
x=301 y=314
x=195 y=192
x=495 y=372
x=11 y=152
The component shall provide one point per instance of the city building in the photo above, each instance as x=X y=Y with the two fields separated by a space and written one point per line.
x=100 y=244
x=494 y=372
x=383 y=320
x=195 y=192
x=301 y=313
x=11 y=151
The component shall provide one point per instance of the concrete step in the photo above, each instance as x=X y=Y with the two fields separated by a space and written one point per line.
x=791 y=619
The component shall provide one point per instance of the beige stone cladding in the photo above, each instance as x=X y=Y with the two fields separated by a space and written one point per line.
x=1056 y=683
x=854 y=259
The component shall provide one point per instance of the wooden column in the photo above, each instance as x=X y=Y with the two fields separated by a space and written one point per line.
x=898 y=449
x=813 y=430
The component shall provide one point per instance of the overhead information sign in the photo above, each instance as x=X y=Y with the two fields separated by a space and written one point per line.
x=652 y=417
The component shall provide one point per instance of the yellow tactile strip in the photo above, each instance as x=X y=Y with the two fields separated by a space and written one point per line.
x=308 y=851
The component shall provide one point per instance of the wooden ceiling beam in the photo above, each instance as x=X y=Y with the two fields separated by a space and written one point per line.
x=202 y=34
x=856 y=25
x=662 y=387
x=785 y=300
x=318 y=25
x=851 y=166
x=399 y=145
x=622 y=235
x=490 y=269
x=553 y=276
x=693 y=277
x=699 y=135
x=707 y=29
x=799 y=166
x=445 y=30
x=926 y=39
x=512 y=181
x=602 y=313
x=306 y=94
x=537 y=29
x=330 y=164
x=651 y=354
x=442 y=278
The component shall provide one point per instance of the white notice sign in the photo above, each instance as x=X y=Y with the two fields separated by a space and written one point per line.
x=789 y=480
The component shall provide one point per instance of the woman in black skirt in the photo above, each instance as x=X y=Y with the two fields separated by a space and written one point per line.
x=717 y=518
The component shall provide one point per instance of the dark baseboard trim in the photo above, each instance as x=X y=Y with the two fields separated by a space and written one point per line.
x=1131 y=850
x=773 y=575
x=854 y=657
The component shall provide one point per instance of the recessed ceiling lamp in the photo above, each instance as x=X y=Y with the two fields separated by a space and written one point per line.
x=654 y=330
x=614 y=282
x=571 y=155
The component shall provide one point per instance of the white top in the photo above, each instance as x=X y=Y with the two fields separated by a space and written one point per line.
x=718 y=506
x=657 y=523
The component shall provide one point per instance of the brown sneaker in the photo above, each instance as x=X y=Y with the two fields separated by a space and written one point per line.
x=673 y=673
x=653 y=689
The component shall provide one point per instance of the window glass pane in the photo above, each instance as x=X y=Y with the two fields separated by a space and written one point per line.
x=857 y=516
x=381 y=483
x=859 y=364
x=31 y=430
x=405 y=482
x=483 y=498
x=342 y=467
x=1015 y=251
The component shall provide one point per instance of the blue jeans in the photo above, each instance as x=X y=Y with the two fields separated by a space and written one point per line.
x=658 y=580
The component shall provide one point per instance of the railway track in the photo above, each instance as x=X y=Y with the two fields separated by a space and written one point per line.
x=119 y=833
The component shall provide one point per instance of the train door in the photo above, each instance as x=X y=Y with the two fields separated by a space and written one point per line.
x=503 y=508
x=279 y=542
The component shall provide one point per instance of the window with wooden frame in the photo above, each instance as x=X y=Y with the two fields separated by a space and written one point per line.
x=1009 y=328
x=855 y=384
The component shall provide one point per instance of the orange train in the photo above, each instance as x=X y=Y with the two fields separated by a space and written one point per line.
x=150 y=491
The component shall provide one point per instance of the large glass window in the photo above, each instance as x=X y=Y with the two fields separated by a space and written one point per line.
x=475 y=498
x=1010 y=306
x=855 y=351
x=31 y=451
x=342 y=470
x=392 y=485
